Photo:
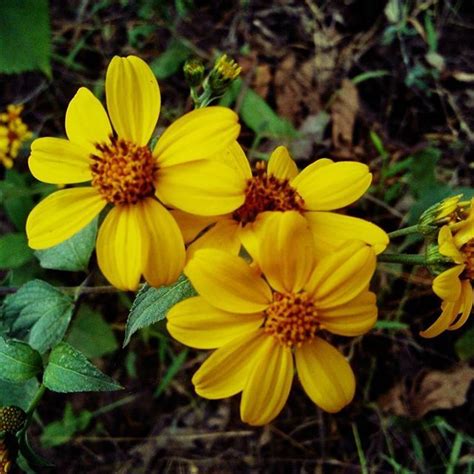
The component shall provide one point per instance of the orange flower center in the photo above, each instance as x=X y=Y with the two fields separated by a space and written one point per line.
x=468 y=252
x=266 y=192
x=123 y=172
x=291 y=318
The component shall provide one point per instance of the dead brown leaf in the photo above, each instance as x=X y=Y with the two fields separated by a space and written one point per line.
x=343 y=114
x=428 y=391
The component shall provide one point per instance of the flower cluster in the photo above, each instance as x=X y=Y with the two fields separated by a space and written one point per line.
x=13 y=133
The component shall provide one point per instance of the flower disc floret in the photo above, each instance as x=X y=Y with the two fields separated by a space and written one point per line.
x=291 y=319
x=266 y=192
x=123 y=172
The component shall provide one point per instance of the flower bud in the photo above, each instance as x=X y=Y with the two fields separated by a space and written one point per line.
x=225 y=71
x=11 y=419
x=193 y=72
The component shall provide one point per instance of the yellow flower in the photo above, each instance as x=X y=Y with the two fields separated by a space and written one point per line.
x=138 y=236
x=13 y=133
x=454 y=286
x=321 y=187
x=263 y=318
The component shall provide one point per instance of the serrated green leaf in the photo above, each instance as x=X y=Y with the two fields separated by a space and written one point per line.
x=39 y=313
x=91 y=334
x=18 y=394
x=73 y=254
x=465 y=345
x=152 y=304
x=69 y=371
x=25 y=36
x=14 y=251
x=18 y=361
x=170 y=62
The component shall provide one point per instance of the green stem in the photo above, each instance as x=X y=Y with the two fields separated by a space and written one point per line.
x=34 y=403
x=410 y=259
x=406 y=231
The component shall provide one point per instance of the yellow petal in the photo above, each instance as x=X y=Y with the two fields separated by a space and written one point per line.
x=268 y=384
x=447 y=285
x=59 y=161
x=225 y=372
x=61 y=215
x=281 y=165
x=351 y=319
x=204 y=187
x=224 y=235
x=447 y=246
x=198 y=135
x=121 y=247
x=133 y=98
x=196 y=323
x=227 y=282
x=467 y=297
x=330 y=230
x=165 y=254
x=332 y=186
x=86 y=120
x=190 y=224
x=448 y=315
x=326 y=376
x=236 y=157
x=342 y=275
x=285 y=255
x=465 y=233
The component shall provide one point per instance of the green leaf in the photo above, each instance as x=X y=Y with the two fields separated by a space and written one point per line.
x=25 y=36
x=69 y=371
x=14 y=251
x=464 y=346
x=34 y=461
x=61 y=431
x=91 y=334
x=72 y=254
x=369 y=75
x=152 y=304
x=39 y=313
x=170 y=62
x=257 y=114
x=18 y=361
x=391 y=325
x=19 y=394
x=16 y=198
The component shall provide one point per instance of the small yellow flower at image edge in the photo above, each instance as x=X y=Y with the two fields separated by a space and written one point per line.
x=13 y=133
x=266 y=317
x=138 y=236
x=455 y=285
x=315 y=192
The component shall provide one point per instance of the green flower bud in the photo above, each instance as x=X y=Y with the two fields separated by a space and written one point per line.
x=193 y=72
x=225 y=71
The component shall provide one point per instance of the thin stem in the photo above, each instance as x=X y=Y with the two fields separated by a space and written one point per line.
x=360 y=451
x=409 y=259
x=405 y=231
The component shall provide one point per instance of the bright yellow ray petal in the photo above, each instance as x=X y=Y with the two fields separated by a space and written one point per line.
x=225 y=372
x=236 y=156
x=165 y=254
x=61 y=215
x=447 y=285
x=133 y=98
x=250 y=235
x=447 y=246
x=281 y=165
x=333 y=186
x=326 y=376
x=227 y=282
x=285 y=254
x=204 y=187
x=190 y=224
x=268 y=384
x=198 y=135
x=465 y=233
x=224 y=235
x=467 y=297
x=87 y=122
x=351 y=319
x=196 y=323
x=342 y=275
x=448 y=315
x=58 y=161
x=330 y=230
x=121 y=247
